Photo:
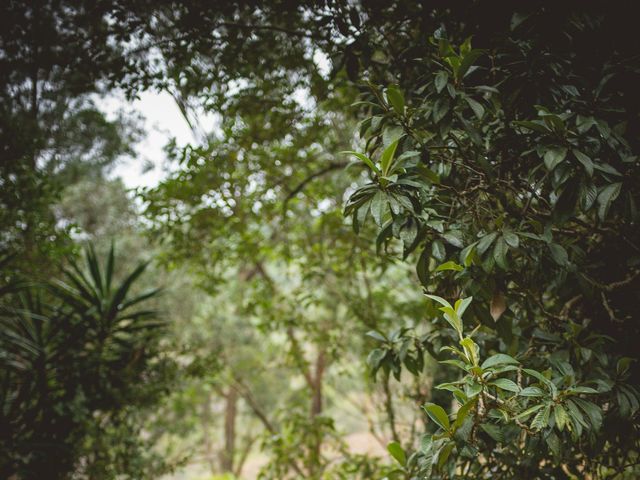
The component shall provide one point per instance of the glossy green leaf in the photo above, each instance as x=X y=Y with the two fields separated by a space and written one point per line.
x=499 y=359
x=396 y=99
x=438 y=415
x=586 y=162
x=606 y=197
x=441 y=81
x=476 y=106
x=462 y=304
x=554 y=156
x=387 y=157
x=366 y=160
x=397 y=452
x=506 y=384
x=450 y=265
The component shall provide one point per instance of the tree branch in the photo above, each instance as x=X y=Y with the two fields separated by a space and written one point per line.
x=329 y=168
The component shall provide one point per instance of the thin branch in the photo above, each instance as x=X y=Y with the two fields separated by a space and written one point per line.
x=329 y=168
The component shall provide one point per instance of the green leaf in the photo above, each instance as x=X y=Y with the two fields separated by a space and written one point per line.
x=486 y=241
x=477 y=108
x=454 y=237
x=467 y=61
x=379 y=207
x=511 y=239
x=493 y=431
x=440 y=300
x=543 y=379
x=541 y=420
x=366 y=160
x=606 y=198
x=438 y=250
x=499 y=359
x=471 y=349
x=554 y=444
x=452 y=318
x=529 y=411
x=500 y=253
x=391 y=134
x=580 y=389
x=585 y=161
x=554 y=156
x=576 y=415
x=506 y=384
x=422 y=267
x=376 y=335
x=472 y=389
x=450 y=387
x=438 y=415
x=606 y=168
x=593 y=411
x=374 y=358
x=560 y=416
x=440 y=109
x=450 y=265
x=589 y=196
x=455 y=363
x=444 y=454
x=463 y=412
x=425 y=443
x=441 y=80
x=559 y=254
x=387 y=156
x=467 y=255
x=462 y=304
x=531 y=392
x=396 y=99
x=397 y=452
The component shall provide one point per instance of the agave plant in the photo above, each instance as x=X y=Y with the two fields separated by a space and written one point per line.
x=113 y=324
x=69 y=350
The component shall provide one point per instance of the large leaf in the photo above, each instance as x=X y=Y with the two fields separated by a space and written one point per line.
x=396 y=99
x=438 y=415
x=606 y=197
x=397 y=452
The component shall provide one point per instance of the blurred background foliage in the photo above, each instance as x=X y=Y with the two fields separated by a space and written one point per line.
x=246 y=317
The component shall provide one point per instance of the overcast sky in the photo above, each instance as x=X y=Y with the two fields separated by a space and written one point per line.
x=163 y=121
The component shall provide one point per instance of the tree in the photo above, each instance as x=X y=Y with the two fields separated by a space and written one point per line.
x=513 y=191
x=56 y=55
x=76 y=354
x=443 y=123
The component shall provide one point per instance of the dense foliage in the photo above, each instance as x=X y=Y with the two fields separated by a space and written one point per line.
x=514 y=190
x=493 y=147
x=75 y=353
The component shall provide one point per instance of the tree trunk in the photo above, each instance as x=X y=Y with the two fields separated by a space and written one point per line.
x=206 y=423
x=230 y=414
x=316 y=398
x=388 y=404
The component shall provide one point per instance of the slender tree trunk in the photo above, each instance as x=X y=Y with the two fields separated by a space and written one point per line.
x=230 y=414
x=243 y=455
x=206 y=432
x=388 y=405
x=316 y=409
x=316 y=399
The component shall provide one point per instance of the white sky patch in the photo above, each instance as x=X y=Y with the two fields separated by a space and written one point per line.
x=322 y=62
x=162 y=121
